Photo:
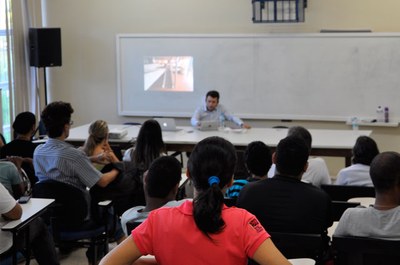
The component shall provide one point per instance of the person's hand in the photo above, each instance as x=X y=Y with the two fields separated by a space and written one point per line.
x=103 y=158
x=246 y=126
x=106 y=147
x=16 y=160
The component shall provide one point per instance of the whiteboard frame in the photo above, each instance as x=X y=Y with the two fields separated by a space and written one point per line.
x=124 y=112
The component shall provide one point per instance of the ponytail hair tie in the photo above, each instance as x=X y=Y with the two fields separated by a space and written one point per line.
x=213 y=180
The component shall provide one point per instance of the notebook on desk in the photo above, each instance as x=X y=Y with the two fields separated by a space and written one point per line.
x=167 y=124
x=208 y=126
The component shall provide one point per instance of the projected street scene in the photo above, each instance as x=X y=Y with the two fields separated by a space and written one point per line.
x=168 y=73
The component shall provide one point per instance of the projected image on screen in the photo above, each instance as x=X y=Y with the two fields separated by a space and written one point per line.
x=168 y=73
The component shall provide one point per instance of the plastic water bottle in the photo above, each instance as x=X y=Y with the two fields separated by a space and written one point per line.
x=386 y=114
x=221 y=121
x=354 y=123
x=380 y=115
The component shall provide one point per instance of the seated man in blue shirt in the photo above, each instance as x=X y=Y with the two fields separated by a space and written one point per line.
x=60 y=161
x=213 y=111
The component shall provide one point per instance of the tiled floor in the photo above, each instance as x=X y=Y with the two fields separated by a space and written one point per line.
x=76 y=257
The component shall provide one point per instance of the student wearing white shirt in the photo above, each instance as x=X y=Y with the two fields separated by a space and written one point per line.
x=317 y=172
x=381 y=220
x=40 y=239
x=364 y=151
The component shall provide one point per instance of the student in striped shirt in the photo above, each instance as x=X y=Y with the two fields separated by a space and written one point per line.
x=60 y=161
x=258 y=160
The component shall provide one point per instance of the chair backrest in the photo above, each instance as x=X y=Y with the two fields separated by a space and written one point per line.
x=230 y=201
x=365 y=251
x=132 y=224
x=338 y=208
x=2 y=138
x=71 y=205
x=298 y=245
x=345 y=192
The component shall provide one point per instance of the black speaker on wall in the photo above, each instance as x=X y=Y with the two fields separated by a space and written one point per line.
x=45 y=47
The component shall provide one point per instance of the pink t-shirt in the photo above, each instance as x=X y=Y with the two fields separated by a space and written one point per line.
x=171 y=235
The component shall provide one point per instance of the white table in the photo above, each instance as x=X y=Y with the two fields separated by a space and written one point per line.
x=336 y=143
x=30 y=211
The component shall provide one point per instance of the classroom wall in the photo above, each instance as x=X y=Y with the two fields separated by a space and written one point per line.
x=87 y=78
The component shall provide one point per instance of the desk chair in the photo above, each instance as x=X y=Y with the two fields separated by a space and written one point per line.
x=338 y=208
x=345 y=192
x=132 y=224
x=2 y=138
x=365 y=251
x=68 y=219
x=298 y=245
x=230 y=201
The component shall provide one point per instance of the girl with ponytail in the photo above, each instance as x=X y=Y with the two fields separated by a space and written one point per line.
x=202 y=231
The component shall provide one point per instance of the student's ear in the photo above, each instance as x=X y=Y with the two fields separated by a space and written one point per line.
x=145 y=176
x=175 y=189
x=230 y=182
x=305 y=167
x=274 y=158
x=187 y=173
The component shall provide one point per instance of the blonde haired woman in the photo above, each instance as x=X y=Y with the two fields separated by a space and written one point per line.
x=96 y=146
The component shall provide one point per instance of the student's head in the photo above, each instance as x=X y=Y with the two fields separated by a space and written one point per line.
x=212 y=100
x=291 y=156
x=257 y=158
x=385 y=171
x=163 y=176
x=149 y=144
x=98 y=132
x=210 y=167
x=302 y=133
x=55 y=117
x=364 y=150
x=24 y=123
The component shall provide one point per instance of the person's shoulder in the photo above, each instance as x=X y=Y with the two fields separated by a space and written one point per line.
x=7 y=166
x=309 y=188
x=184 y=207
x=221 y=107
x=252 y=190
x=317 y=161
x=357 y=213
x=236 y=213
x=254 y=185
